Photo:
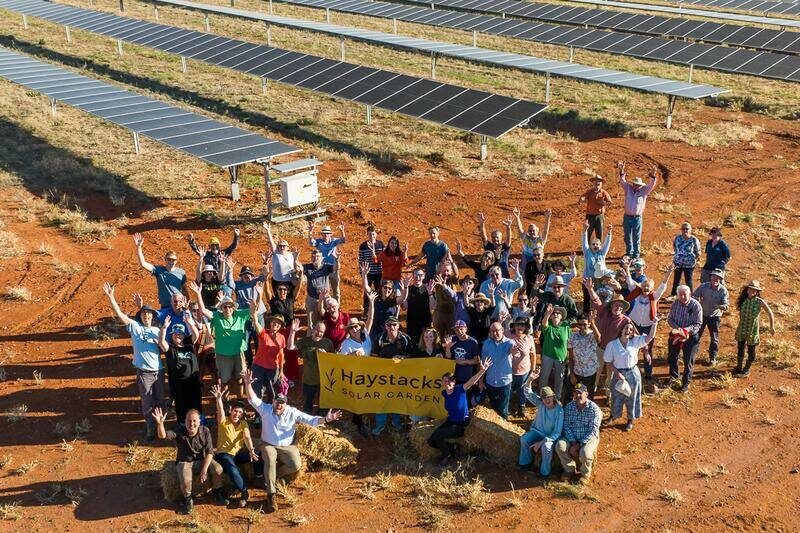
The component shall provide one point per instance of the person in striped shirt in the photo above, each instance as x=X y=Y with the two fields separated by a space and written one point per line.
x=367 y=250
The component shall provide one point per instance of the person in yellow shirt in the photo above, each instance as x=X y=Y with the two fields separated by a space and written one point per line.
x=234 y=444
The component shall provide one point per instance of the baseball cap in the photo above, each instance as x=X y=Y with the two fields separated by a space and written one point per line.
x=178 y=328
x=580 y=387
x=280 y=398
x=460 y=324
x=213 y=240
x=246 y=270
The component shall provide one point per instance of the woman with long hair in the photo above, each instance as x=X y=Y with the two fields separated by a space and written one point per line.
x=750 y=305
x=429 y=344
x=392 y=259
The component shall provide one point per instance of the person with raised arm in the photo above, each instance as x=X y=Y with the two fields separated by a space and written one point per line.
x=582 y=349
x=457 y=407
x=636 y=192
x=146 y=357
x=555 y=337
x=234 y=443
x=183 y=371
x=278 y=420
x=270 y=355
x=170 y=279
x=497 y=351
x=328 y=246
x=284 y=260
x=213 y=254
x=495 y=242
x=597 y=200
x=594 y=260
x=531 y=239
x=480 y=267
x=318 y=274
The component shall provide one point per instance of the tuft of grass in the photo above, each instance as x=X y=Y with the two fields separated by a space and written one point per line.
x=10 y=511
x=785 y=390
x=10 y=245
x=779 y=354
x=746 y=395
x=26 y=467
x=432 y=518
x=17 y=413
x=650 y=464
x=729 y=401
x=770 y=420
x=65 y=268
x=709 y=472
x=672 y=496
x=254 y=517
x=717 y=135
x=284 y=492
x=722 y=381
x=6 y=460
x=102 y=332
x=38 y=378
x=570 y=492
x=132 y=452
x=66 y=446
x=514 y=501
x=17 y=293
x=75 y=223
x=45 y=249
x=295 y=519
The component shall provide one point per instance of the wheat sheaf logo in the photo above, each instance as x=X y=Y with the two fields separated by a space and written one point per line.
x=331 y=381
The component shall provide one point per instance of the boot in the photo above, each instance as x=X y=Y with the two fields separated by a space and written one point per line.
x=746 y=371
x=219 y=497
x=271 y=503
x=187 y=504
x=739 y=360
x=243 y=498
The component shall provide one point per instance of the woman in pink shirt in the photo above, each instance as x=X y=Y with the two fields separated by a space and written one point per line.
x=523 y=361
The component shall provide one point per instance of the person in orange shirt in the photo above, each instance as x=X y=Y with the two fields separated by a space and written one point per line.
x=597 y=199
x=392 y=259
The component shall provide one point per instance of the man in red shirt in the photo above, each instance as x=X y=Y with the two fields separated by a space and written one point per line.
x=597 y=199
x=335 y=320
x=610 y=319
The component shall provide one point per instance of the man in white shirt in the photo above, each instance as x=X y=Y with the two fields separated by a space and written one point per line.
x=278 y=420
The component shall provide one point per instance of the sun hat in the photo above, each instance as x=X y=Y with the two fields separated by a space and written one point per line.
x=480 y=297
x=637 y=181
x=355 y=322
x=146 y=309
x=209 y=268
x=326 y=229
x=719 y=273
x=558 y=281
x=619 y=299
x=246 y=270
x=597 y=177
x=277 y=318
x=561 y=311
x=225 y=300
x=213 y=240
x=547 y=392
x=755 y=284
x=638 y=263
x=467 y=278
x=623 y=387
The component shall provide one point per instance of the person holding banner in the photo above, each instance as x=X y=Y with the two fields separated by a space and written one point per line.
x=392 y=344
x=278 y=421
x=497 y=352
x=457 y=406
x=358 y=341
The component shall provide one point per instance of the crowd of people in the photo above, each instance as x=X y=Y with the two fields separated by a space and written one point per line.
x=512 y=327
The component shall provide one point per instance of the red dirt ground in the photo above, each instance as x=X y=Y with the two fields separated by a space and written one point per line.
x=757 y=441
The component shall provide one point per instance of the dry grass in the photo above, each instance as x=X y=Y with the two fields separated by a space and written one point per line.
x=38 y=377
x=672 y=496
x=514 y=501
x=17 y=413
x=722 y=382
x=571 y=492
x=10 y=245
x=295 y=519
x=779 y=353
x=6 y=460
x=785 y=390
x=10 y=511
x=26 y=467
x=719 y=135
x=770 y=420
x=729 y=401
x=712 y=472
x=65 y=268
x=45 y=249
x=432 y=518
x=285 y=493
x=75 y=223
x=17 y=293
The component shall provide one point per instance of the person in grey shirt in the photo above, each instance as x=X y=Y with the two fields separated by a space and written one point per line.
x=713 y=298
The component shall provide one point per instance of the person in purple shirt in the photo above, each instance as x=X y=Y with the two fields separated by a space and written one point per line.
x=685 y=319
x=636 y=192
x=457 y=407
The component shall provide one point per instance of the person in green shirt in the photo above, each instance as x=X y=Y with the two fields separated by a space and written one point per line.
x=308 y=346
x=555 y=337
x=230 y=342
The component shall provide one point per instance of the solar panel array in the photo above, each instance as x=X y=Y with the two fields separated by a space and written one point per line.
x=464 y=109
x=210 y=140
x=471 y=53
x=714 y=57
x=757 y=6
x=773 y=40
x=740 y=17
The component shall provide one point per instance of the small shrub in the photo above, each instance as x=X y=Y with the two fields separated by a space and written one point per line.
x=45 y=249
x=722 y=381
x=570 y=491
x=26 y=467
x=17 y=413
x=10 y=245
x=6 y=460
x=674 y=497
x=10 y=511
x=38 y=379
x=295 y=519
x=785 y=390
x=17 y=293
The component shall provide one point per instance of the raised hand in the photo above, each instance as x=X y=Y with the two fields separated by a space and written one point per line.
x=480 y=217
x=190 y=237
x=138 y=240
x=653 y=170
x=201 y=250
x=549 y=309
x=534 y=373
x=333 y=415
x=248 y=378
x=405 y=281
x=534 y=302
x=540 y=279
x=158 y=415
x=364 y=267
x=507 y=222
x=572 y=257
x=108 y=289
x=166 y=322
x=336 y=253
x=405 y=248
x=514 y=263
x=194 y=287
x=621 y=165
x=371 y=295
x=588 y=283
x=295 y=327
x=610 y=228
x=548 y=213
x=459 y=249
x=267 y=226
x=259 y=286
x=217 y=391
x=430 y=286
x=586 y=225
x=449 y=342
x=341 y=227
x=485 y=364
x=138 y=301
x=266 y=256
x=236 y=232
x=516 y=212
x=593 y=315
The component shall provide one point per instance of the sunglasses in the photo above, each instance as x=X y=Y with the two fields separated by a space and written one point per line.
x=172 y=258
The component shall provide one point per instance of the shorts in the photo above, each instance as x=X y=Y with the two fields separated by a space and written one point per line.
x=230 y=366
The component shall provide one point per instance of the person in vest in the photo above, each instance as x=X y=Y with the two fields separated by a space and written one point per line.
x=183 y=373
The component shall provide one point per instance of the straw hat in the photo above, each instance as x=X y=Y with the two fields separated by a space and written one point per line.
x=619 y=299
x=355 y=322
x=755 y=284
x=547 y=392
x=558 y=281
x=638 y=181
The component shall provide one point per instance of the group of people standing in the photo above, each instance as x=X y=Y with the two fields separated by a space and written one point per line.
x=511 y=323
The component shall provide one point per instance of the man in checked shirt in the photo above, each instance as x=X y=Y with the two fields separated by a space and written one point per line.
x=685 y=318
x=581 y=435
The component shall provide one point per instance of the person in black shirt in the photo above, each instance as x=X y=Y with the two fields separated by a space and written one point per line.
x=481 y=267
x=480 y=317
x=392 y=343
x=417 y=303
x=210 y=285
x=282 y=303
x=211 y=255
x=367 y=250
x=495 y=243
x=317 y=276
x=387 y=304
x=182 y=369
x=195 y=455
x=429 y=344
x=536 y=268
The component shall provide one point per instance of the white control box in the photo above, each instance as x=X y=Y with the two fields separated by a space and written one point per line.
x=299 y=189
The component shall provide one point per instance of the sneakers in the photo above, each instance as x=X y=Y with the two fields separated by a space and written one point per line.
x=685 y=389
x=363 y=430
x=629 y=426
x=187 y=505
x=744 y=373
x=219 y=497
x=271 y=505
x=243 y=498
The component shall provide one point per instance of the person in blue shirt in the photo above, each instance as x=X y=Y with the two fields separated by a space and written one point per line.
x=433 y=251
x=717 y=254
x=327 y=245
x=169 y=278
x=497 y=350
x=457 y=407
x=545 y=429
x=146 y=357
x=497 y=288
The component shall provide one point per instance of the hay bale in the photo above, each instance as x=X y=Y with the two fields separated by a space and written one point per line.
x=325 y=447
x=487 y=433
x=419 y=436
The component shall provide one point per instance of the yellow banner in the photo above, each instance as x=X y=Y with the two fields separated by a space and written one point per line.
x=365 y=385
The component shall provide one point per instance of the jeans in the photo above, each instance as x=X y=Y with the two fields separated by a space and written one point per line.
x=526 y=456
x=517 y=397
x=309 y=395
x=555 y=367
x=264 y=382
x=448 y=430
x=151 y=392
x=687 y=275
x=595 y=226
x=499 y=398
x=632 y=231
x=380 y=422
x=712 y=323
x=230 y=465
x=689 y=349
x=648 y=367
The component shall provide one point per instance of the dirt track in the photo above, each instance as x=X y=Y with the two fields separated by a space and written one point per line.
x=756 y=441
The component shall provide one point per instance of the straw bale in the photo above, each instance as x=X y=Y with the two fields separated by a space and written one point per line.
x=325 y=447
x=487 y=433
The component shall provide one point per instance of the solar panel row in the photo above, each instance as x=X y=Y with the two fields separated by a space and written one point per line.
x=755 y=6
x=773 y=40
x=464 y=109
x=210 y=140
x=471 y=53
x=714 y=57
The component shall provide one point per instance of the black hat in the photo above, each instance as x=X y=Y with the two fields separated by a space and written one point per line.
x=246 y=270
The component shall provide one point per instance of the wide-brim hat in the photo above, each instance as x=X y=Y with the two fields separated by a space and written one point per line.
x=755 y=284
x=225 y=300
x=277 y=318
x=547 y=392
x=638 y=263
x=558 y=281
x=638 y=181
x=246 y=270
x=561 y=310
x=719 y=273
x=326 y=229
x=619 y=299
x=209 y=268
x=597 y=177
x=468 y=278
x=146 y=309
x=480 y=297
x=355 y=322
